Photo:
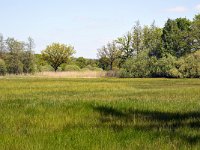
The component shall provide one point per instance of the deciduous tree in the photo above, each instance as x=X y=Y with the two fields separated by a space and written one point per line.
x=111 y=52
x=57 y=54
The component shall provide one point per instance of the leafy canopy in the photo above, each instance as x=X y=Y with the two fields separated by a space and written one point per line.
x=57 y=54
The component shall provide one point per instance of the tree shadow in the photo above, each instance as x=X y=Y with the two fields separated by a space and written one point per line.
x=154 y=121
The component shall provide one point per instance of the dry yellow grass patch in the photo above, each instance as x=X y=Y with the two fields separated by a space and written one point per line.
x=73 y=74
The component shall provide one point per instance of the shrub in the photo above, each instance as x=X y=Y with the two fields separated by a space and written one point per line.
x=175 y=73
x=72 y=68
x=164 y=67
x=97 y=69
x=144 y=66
x=3 y=69
x=136 y=67
x=46 y=68
x=190 y=65
x=91 y=68
x=123 y=73
x=81 y=62
x=15 y=66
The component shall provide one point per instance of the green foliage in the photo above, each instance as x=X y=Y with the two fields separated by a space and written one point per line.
x=92 y=62
x=81 y=62
x=176 y=37
x=151 y=51
x=14 y=66
x=3 y=69
x=45 y=68
x=123 y=73
x=145 y=66
x=19 y=56
x=104 y=63
x=15 y=55
x=91 y=68
x=195 y=32
x=175 y=73
x=28 y=57
x=57 y=54
x=152 y=40
x=190 y=65
x=72 y=68
x=97 y=69
x=136 y=66
x=164 y=67
x=125 y=46
x=28 y=62
x=110 y=52
x=137 y=38
x=40 y=63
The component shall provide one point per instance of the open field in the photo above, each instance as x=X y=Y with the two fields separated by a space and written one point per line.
x=57 y=113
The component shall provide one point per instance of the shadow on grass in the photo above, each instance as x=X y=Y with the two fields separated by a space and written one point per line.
x=152 y=121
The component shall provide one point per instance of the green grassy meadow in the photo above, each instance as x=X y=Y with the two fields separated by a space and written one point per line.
x=103 y=113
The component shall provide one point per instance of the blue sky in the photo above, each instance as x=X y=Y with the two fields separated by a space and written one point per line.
x=86 y=24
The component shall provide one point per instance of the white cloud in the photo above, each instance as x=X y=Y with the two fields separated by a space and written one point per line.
x=178 y=9
x=198 y=7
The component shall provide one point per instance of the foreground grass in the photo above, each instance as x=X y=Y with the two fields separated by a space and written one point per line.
x=38 y=113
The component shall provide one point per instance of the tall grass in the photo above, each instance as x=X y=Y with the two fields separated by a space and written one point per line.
x=73 y=74
x=61 y=113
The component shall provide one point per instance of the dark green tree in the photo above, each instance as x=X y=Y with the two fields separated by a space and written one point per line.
x=176 y=37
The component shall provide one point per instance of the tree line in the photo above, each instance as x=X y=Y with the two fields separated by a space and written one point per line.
x=151 y=51
x=144 y=51
x=18 y=57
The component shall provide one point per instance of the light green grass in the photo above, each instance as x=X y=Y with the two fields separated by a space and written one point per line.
x=38 y=113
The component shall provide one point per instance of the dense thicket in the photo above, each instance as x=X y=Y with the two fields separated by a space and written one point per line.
x=150 y=51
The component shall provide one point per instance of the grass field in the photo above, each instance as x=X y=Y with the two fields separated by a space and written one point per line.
x=39 y=113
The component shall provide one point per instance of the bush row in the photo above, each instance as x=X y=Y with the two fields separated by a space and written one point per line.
x=168 y=66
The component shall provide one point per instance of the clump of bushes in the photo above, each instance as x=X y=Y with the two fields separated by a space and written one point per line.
x=164 y=67
x=136 y=67
x=14 y=66
x=72 y=68
x=45 y=68
x=168 y=66
x=190 y=65
x=91 y=68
